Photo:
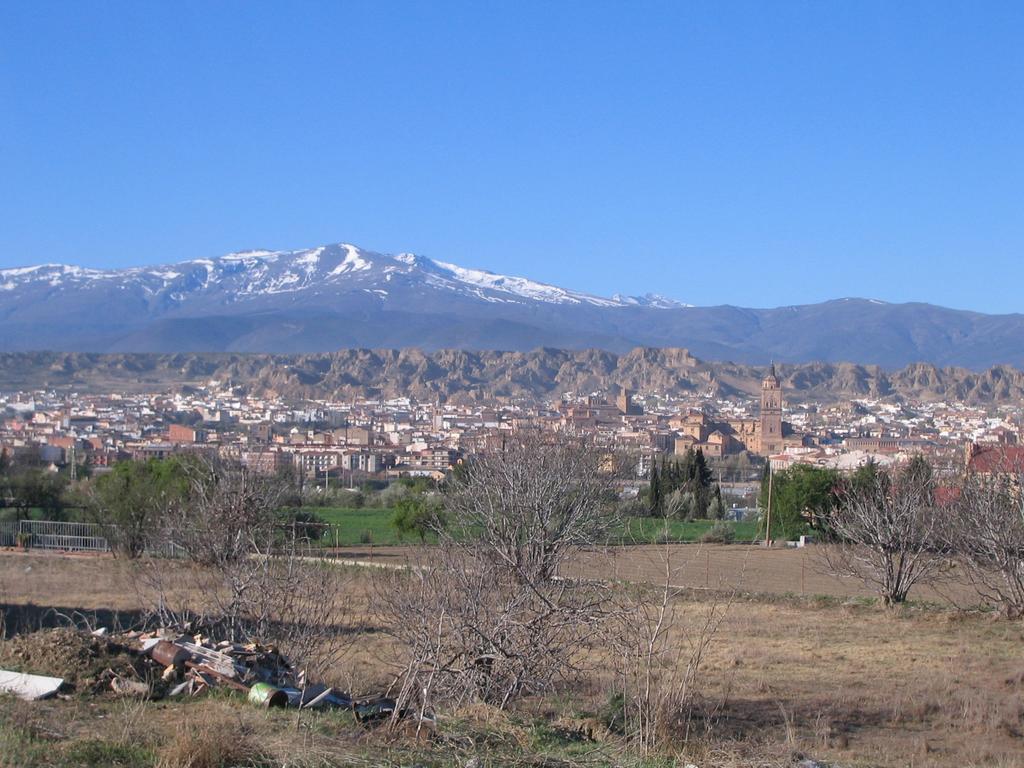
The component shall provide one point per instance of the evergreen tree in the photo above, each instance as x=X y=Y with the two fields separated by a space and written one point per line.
x=716 y=508
x=762 y=496
x=701 y=471
x=700 y=483
x=801 y=494
x=670 y=476
x=690 y=475
x=918 y=471
x=655 y=494
x=867 y=475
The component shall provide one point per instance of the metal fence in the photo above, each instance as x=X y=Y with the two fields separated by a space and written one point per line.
x=47 y=534
x=89 y=537
x=8 y=534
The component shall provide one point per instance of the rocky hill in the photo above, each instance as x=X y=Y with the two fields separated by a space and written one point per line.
x=461 y=375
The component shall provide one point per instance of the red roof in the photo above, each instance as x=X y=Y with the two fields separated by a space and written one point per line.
x=996 y=459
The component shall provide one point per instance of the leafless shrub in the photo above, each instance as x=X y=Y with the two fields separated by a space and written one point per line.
x=243 y=575
x=886 y=531
x=987 y=532
x=486 y=618
x=229 y=513
x=532 y=502
x=659 y=643
x=470 y=631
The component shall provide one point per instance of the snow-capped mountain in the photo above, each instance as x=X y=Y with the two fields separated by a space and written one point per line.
x=340 y=296
x=241 y=277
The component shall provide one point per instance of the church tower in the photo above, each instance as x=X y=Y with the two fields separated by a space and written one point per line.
x=771 y=414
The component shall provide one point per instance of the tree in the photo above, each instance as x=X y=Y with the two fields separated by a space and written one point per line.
x=36 y=488
x=987 y=530
x=419 y=515
x=680 y=505
x=700 y=482
x=716 y=508
x=488 y=621
x=919 y=469
x=766 y=476
x=291 y=479
x=134 y=499
x=251 y=574
x=800 y=495
x=252 y=567
x=868 y=475
x=655 y=492
x=689 y=475
x=886 y=532
x=229 y=512
x=532 y=502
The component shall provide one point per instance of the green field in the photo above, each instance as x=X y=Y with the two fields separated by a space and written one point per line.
x=352 y=527
x=372 y=525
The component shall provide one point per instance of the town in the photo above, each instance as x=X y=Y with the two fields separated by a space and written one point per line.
x=343 y=444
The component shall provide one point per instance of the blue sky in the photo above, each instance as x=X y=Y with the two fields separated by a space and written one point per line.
x=757 y=154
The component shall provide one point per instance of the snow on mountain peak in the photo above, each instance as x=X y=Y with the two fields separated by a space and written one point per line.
x=310 y=259
x=353 y=261
x=517 y=286
x=652 y=300
x=250 y=255
x=244 y=275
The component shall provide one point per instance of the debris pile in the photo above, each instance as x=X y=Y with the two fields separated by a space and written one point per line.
x=167 y=663
x=85 y=662
x=193 y=664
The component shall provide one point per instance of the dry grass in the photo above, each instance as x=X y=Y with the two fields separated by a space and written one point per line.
x=841 y=681
x=212 y=743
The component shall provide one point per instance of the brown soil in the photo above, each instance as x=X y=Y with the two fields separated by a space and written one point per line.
x=838 y=679
x=742 y=567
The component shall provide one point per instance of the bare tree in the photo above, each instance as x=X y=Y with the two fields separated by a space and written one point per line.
x=886 y=531
x=483 y=616
x=533 y=501
x=229 y=512
x=468 y=630
x=243 y=573
x=987 y=532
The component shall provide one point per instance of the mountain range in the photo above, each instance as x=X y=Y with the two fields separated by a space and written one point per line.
x=339 y=296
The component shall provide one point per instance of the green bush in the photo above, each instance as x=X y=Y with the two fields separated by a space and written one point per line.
x=418 y=515
x=720 y=533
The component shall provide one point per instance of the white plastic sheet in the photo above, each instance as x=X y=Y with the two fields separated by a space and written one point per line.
x=29 y=687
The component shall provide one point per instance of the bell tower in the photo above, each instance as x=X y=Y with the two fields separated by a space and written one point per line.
x=771 y=414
